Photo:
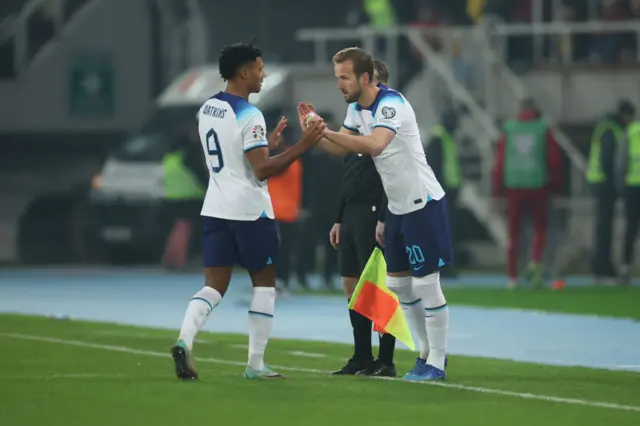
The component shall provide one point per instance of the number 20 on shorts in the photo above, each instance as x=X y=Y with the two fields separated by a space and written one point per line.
x=215 y=151
x=415 y=254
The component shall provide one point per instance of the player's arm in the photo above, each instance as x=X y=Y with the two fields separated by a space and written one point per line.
x=333 y=148
x=349 y=127
x=265 y=166
x=372 y=145
x=385 y=126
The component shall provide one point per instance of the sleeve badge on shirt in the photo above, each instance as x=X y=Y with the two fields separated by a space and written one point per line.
x=258 y=132
x=388 y=112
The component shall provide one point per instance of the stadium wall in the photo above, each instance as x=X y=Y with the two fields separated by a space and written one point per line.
x=117 y=30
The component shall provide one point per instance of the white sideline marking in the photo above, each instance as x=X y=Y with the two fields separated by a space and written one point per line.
x=570 y=401
x=307 y=354
x=240 y=346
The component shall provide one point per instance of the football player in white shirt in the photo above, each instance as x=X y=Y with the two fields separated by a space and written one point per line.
x=381 y=123
x=239 y=227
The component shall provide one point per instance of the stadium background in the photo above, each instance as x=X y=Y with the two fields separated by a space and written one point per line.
x=95 y=93
x=57 y=129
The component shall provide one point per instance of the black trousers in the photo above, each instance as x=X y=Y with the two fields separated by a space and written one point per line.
x=357 y=237
x=605 y=200
x=311 y=233
x=357 y=242
x=632 y=219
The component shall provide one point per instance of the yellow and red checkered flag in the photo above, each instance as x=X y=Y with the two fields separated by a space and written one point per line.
x=373 y=299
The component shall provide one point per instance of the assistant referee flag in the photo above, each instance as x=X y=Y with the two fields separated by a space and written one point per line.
x=373 y=299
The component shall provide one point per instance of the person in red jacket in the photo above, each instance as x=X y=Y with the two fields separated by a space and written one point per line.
x=528 y=168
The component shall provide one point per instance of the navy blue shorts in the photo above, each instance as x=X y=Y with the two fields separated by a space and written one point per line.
x=250 y=244
x=418 y=241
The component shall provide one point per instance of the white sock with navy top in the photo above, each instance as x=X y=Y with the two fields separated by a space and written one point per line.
x=198 y=310
x=437 y=317
x=260 y=323
x=413 y=309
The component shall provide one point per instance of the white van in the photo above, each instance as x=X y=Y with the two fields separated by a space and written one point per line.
x=125 y=216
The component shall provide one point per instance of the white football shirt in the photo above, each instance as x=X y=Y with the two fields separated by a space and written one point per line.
x=230 y=126
x=408 y=180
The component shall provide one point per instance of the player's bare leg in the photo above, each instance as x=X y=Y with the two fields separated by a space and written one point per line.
x=261 y=313
x=200 y=306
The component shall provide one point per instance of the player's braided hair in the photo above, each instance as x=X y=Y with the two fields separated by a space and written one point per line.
x=361 y=59
x=234 y=56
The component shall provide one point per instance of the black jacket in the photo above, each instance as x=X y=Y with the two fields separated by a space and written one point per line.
x=361 y=184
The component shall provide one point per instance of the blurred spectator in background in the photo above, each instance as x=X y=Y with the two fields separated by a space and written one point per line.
x=381 y=13
x=286 y=196
x=355 y=14
x=573 y=46
x=427 y=17
x=629 y=41
x=464 y=60
x=606 y=47
x=529 y=166
x=442 y=156
x=475 y=9
x=629 y=183
x=566 y=41
x=608 y=134
x=520 y=47
x=186 y=178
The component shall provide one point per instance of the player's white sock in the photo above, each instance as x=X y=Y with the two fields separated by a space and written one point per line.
x=413 y=310
x=437 y=317
x=198 y=310
x=260 y=323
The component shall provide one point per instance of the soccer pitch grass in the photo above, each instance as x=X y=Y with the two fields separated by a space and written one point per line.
x=81 y=373
x=618 y=302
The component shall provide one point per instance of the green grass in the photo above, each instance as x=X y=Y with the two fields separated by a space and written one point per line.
x=64 y=382
x=620 y=302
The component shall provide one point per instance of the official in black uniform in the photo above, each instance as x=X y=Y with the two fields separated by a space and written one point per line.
x=359 y=223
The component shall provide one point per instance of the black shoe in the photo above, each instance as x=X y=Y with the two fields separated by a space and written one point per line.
x=353 y=367
x=385 y=370
x=369 y=370
x=379 y=369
